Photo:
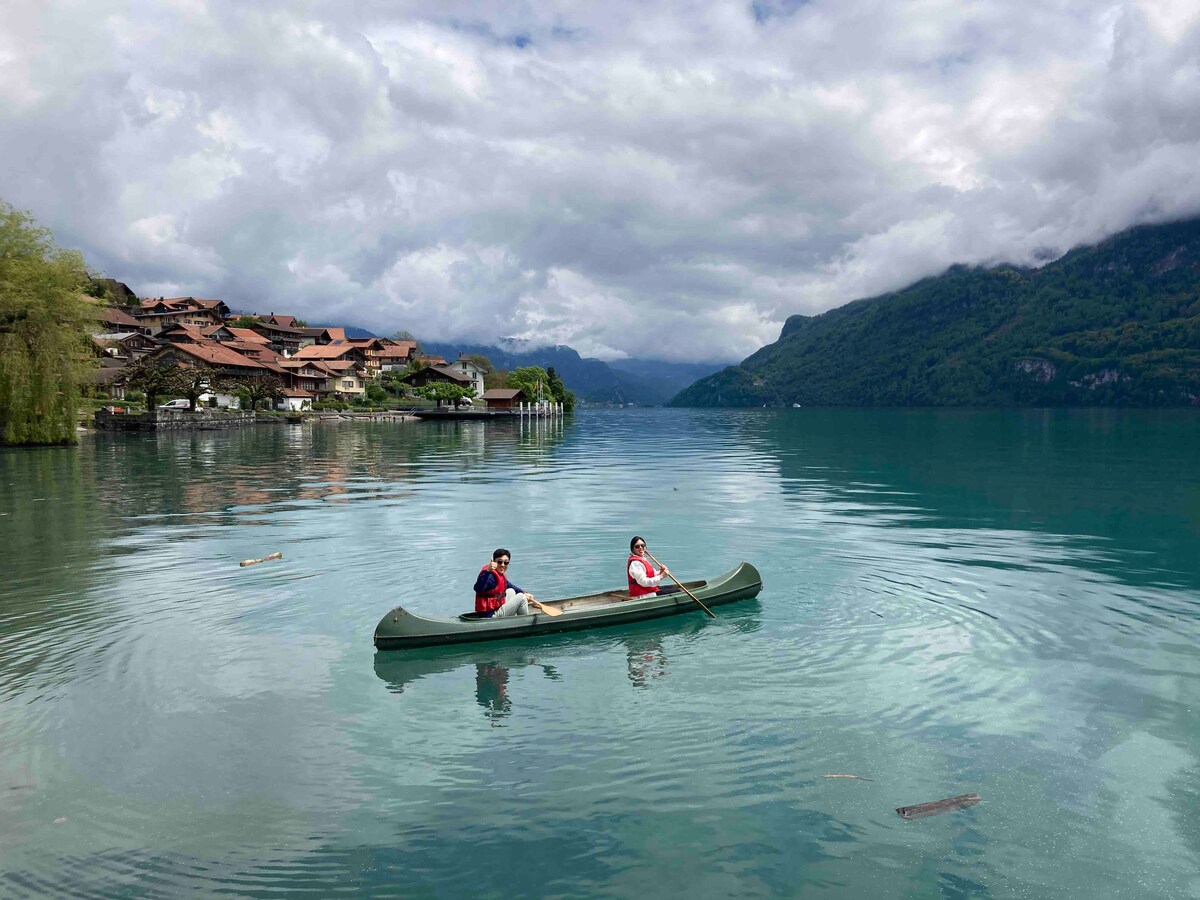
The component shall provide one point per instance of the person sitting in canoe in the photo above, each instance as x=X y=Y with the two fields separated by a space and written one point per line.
x=495 y=595
x=643 y=577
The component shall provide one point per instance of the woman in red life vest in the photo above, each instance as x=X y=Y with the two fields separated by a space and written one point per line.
x=643 y=577
x=495 y=595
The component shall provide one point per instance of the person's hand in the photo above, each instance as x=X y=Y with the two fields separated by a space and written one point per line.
x=492 y=565
x=666 y=572
x=529 y=597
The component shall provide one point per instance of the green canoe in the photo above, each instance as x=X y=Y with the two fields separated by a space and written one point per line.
x=400 y=629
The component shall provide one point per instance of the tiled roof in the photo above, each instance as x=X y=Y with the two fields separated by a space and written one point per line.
x=247 y=335
x=502 y=394
x=216 y=355
x=113 y=316
x=325 y=351
x=336 y=334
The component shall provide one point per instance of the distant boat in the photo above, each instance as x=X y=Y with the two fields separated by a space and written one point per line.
x=401 y=629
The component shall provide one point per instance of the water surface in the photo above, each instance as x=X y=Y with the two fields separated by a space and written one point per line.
x=1005 y=603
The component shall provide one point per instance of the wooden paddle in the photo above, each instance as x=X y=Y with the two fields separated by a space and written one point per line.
x=685 y=590
x=548 y=610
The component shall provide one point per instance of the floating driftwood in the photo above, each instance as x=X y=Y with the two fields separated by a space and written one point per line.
x=921 y=810
x=851 y=777
x=250 y=562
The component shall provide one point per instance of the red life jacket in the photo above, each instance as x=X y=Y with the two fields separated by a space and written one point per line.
x=635 y=589
x=493 y=599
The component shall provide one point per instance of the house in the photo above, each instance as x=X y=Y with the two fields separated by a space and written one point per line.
x=396 y=354
x=222 y=361
x=342 y=350
x=431 y=360
x=117 y=321
x=284 y=339
x=347 y=379
x=433 y=374
x=108 y=378
x=155 y=315
x=295 y=400
x=307 y=375
x=124 y=345
x=471 y=370
x=504 y=398
x=331 y=335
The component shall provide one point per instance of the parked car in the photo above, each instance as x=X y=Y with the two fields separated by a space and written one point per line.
x=175 y=404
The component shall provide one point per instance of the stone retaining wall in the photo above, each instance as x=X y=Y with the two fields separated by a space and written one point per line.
x=173 y=420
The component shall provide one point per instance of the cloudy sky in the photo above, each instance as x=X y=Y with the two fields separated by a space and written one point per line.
x=651 y=179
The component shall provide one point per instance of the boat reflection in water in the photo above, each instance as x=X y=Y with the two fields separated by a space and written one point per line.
x=644 y=646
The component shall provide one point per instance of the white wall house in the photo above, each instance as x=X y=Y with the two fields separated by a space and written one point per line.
x=471 y=370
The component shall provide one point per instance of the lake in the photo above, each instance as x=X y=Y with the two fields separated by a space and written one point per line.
x=998 y=602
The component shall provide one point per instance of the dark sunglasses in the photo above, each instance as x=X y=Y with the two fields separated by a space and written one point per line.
x=502 y=562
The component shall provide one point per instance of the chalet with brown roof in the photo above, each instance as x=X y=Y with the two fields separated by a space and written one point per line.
x=155 y=315
x=117 y=321
x=283 y=338
x=124 y=345
x=331 y=335
x=504 y=398
x=209 y=354
x=342 y=350
x=435 y=374
x=396 y=354
x=247 y=335
x=431 y=360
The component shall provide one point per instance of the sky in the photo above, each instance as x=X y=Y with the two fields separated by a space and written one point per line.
x=664 y=180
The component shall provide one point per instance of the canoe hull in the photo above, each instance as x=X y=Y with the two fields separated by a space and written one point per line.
x=400 y=629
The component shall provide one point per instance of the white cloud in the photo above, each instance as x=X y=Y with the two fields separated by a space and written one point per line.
x=602 y=177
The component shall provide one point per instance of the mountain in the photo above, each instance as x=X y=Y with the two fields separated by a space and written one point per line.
x=641 y=382
x=1116 y=324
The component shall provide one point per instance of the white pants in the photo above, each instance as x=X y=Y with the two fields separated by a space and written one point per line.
x=514 y=605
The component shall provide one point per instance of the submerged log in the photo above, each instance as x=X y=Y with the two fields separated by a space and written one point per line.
x=921 y=810
x=250 y=562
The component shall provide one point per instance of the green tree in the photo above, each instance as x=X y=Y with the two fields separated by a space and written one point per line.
x=192 y=381
x=244 y=322
x=153 y=378
x=44 y=333
x=443 y=391
x=260 y=386
x=404 y=335
x=538 y=383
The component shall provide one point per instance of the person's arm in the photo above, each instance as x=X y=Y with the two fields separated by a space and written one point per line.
x=485 y=582
x=517 y=589
x=638 y=570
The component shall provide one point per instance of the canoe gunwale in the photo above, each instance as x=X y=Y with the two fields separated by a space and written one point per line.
x=401 y=629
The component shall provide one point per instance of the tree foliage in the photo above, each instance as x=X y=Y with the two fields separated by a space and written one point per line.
x=44 y=333
x=444 y=392
x=259 y=387
x=154 y=378
x=538 y=383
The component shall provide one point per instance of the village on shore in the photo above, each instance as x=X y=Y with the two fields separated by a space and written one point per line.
x=221 y=359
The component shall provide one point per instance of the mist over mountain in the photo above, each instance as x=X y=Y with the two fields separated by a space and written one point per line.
x=1115 y=324
x=631 y=381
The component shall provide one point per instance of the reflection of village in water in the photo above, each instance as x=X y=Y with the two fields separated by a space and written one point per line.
x=206 y=472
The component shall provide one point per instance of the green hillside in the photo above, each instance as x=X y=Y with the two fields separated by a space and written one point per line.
x=1117 y=324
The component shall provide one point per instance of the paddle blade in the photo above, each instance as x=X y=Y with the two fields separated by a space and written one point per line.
x=548 y=610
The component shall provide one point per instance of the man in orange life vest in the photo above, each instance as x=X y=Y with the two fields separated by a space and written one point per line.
x=643 y=577
x=495 y=595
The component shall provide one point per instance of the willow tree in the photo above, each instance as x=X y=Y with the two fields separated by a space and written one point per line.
x=44 y=333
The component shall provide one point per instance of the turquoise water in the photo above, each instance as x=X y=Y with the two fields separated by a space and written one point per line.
x=1005 y=603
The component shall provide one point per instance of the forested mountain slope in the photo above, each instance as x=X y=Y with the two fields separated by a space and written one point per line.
x=1113 y=324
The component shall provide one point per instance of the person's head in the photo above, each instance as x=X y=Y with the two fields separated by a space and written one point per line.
x=637 y=545
x=501 y=557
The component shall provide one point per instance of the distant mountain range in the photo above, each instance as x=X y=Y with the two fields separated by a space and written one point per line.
x=1117 y=324
x=630 y=381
